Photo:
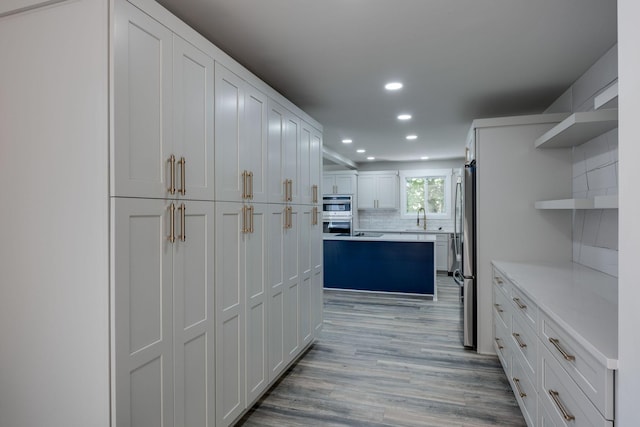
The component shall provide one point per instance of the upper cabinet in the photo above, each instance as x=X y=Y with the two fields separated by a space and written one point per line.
x=340 y=182
x=283 y=150
x=163 y=95
x=241 y=139
x=310 y=163
x=378 y=190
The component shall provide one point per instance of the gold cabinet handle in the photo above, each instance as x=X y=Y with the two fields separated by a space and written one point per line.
x=314 y=191
x=556 y=344
x=183 y=231
x=498 y=309
x=250 y=219
x=518 y=340
x=314 y=216
x=172 y=223
x=286 y=217
x=286 y=190
x=519 y=303
x=183 y=185
x=251 y=185
x=556 y=399
x=172 y=167
x=500 y=346
x=244 y=228
x=244 y=184
x=290 y=190
x=516 y=381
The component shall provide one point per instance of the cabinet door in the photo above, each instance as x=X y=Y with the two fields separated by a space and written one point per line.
x=366 y=191
x=193 y=338
x=291 y=156
x=229 y=109
x=387 y=192
x=193 y=120
x=230 y=313
x=292 y=252
x=305 y=331
x=143 y=315
x=276 y=117
x=442 y=252
x=143 y=126
x=317 y=279
x=345 y=184
x=253 y=137
x=257 y=322
x=328 y=184
x=305 y=164
x=276 y=287
x=315 y=165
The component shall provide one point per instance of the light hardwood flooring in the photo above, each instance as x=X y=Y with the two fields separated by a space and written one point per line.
x=390 y=360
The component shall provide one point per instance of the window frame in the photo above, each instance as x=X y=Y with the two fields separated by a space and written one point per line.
x=426 y=173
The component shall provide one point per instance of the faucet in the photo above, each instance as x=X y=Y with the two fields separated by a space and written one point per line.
x=424 y=218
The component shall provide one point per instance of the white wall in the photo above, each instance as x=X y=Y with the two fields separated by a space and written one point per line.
x=628 y=380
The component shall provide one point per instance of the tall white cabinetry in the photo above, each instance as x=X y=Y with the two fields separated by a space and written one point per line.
x=157 y=294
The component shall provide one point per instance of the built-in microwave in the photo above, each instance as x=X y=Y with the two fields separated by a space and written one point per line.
x=337 y=225
x=337 y=205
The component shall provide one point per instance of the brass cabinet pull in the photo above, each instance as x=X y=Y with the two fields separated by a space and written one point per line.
x=516 y=381
x=244 y=184
x=314 y=216
x=251 y=218
x=251 y=185
x=518 y=340
x=288 y=217
x=556 y=399
x=498 y=309
x=244 y=228
x=172 y=166
x=500 y=346
x=172 y=223
x=290 y=186
x=556 y=344
x=286 y=190
x=519 y=303
x=335 y=189
x=183 y=231
x=183 y=185
x=314 y=191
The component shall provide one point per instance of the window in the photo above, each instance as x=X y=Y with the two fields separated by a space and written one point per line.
x=429 y=189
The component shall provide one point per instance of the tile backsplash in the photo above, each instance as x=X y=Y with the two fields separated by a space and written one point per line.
x=391 y=220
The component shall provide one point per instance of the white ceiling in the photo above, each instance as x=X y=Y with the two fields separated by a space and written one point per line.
x=458 y=59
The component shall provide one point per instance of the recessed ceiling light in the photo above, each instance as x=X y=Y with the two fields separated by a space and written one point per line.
x=404 y=117
x=412 y=137
x=393 y=86
x=360 y=150
x=347 y=141
x=424 y=158
x=371 y=158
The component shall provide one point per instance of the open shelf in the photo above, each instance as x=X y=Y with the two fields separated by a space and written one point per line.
x=607 y=99
x=579 y=128
x=598 y=202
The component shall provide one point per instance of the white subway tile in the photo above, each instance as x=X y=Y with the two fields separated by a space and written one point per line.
x=602 y=178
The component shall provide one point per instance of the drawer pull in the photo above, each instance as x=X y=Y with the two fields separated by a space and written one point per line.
x=498 y=309
x=519 y=303
x=556 y=399
x=516 y=381
x=518 y=340
x=556 y=344
x=500 y=346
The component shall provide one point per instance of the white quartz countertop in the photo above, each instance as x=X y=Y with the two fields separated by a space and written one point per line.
x=417 y=230
x=581 y=300
x=384 y=237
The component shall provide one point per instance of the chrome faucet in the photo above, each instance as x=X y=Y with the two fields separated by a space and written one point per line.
x=424 y=218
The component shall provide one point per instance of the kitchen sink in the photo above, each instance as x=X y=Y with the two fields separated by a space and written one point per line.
x=365 y=234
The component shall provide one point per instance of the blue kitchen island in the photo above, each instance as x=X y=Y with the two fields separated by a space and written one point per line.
x=381 y=263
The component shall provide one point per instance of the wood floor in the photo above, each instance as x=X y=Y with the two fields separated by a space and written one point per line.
x=386 y=360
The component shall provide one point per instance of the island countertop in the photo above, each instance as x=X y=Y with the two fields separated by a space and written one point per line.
x=383 y=237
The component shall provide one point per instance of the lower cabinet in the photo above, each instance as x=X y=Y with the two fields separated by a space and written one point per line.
x=163 y=312
x=556 y=381
x=442 y=252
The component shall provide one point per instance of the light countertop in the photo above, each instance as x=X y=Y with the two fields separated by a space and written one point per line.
x=581 y=300
x=417 y=230
x=385 y=238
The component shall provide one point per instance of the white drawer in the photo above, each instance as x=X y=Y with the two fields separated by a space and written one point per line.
x=569 y=406
x=525 y=307
x=525 y=392
x=501 y=307
x=502 y=344
x=501 y=282
x=593 y=378
x=525 y=344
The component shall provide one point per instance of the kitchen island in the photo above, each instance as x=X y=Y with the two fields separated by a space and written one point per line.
x=380 y=262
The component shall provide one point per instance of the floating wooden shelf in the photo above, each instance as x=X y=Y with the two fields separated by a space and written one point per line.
x=598 y=202
x=608 y=98
x=579 y=128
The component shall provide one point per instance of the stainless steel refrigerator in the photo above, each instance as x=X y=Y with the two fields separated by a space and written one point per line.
x=465 y=239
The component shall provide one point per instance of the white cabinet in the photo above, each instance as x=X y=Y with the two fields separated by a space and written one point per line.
x=310 y=163
x=241 y=302
x=340 y=182
x=442 y=252
x=163 y=306
x=317 y=278
x=283 y=149
x=163 y=121
x=241 y=139
x=378 y=190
